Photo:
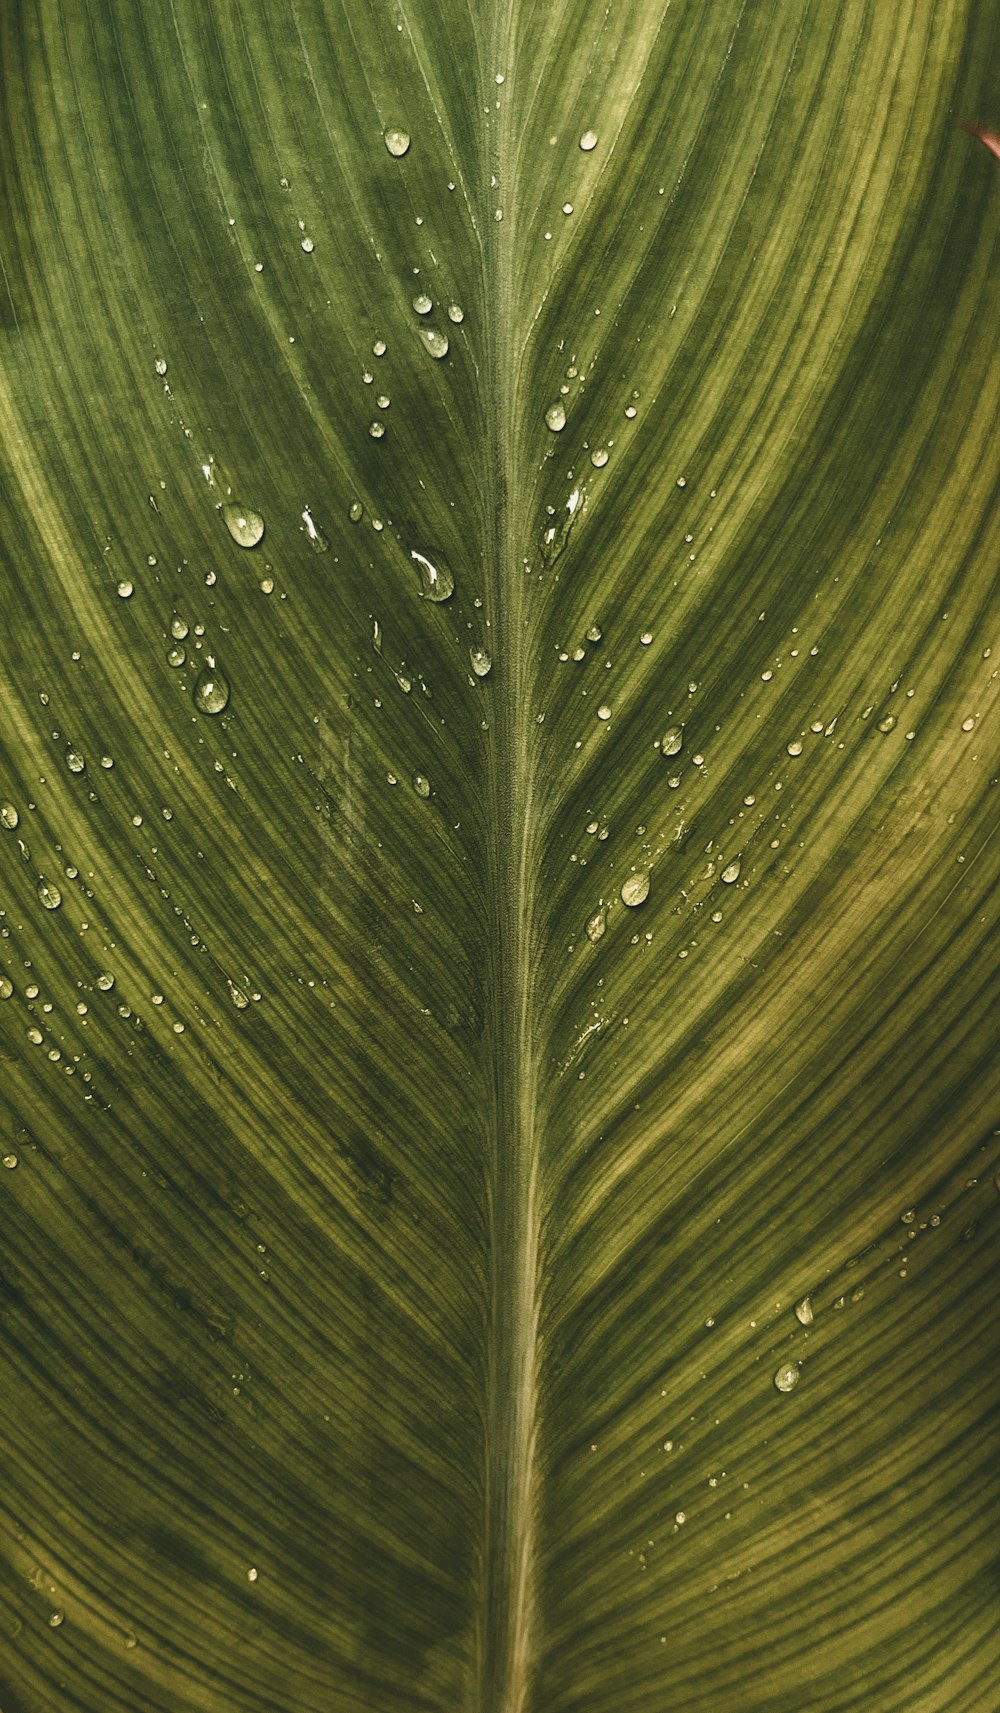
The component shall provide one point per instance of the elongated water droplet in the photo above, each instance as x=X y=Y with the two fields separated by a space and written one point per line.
x=481 y=661
x=671 y=741
x=317 y=539
x=397 y=142
x=308 y=246
x=597 y=924
x=422 y=303
x=588 y=141
x=50 y=895
x=237 y=995
x=177 y=655
x=245 y=526
x=435 y=342
x=211 y=689
x=421 y=785
x=731 y=872
x=636 y=889
x=436 y=580
x=555 y=416
x=787 y=1376
x=356 y=512
x=886 y=724
x=804 y=1312
x=456 y=313
x=161 y=365
x=9 y=816
x=6 y=987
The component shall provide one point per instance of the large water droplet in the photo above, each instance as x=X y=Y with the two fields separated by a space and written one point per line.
x=436 y=343
x=436 y=581
x=317 y=539
x=397 y=142
x=555 y=416
x=804 y=1312
x=597 y=925
x=886 y=725
x=635 y=889
x=50 y=895
x=237 y=995
x=176 y=655
x=9 y=816
x=105 y=981
x=421 y=785
x=245 y=526
x=588 y=141
x=787 y=1376
x=211 y=689
x=178 y=628
x=671 y=740
x=731 y=872
x=6 y=987
x=481 y=662
x=422 y=303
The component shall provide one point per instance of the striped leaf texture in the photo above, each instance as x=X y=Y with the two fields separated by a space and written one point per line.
x=499 y=856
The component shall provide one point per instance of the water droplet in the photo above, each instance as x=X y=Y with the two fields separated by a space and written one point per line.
x=597 y=924
x=105 y=981
x=397 y=142
x=887 y=723
x=604 y=712
x=178 y=628
x=421 y=785
x=252 y=1574
x=795 y=748
x=308 y=246
x=555 y=416
x=671 y=740
x=9 y=816
x=161 y=365
x=50 y=895
x=636 y=889
x=968 y=724
x=588 y=141
x=55 y=1619
x=10 y=1161
x=567 y=208
x=376 y=429
x=6 y=987
x=177 y=655
x=237 y=995
x=804 y=1312
x=680 y=1517
x=731 y=872
x=317 y=539
x=125 y=588
x=481 y=661
x=245 y=526
x=436 y=581
x=787 y=1376
x=436 y=343
x=599 y=457
x=75 y=761
x=422 y=303
x=456 y=313
x=356 y=512
x=211 y=689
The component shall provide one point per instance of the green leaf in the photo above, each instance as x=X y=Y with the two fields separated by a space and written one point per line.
x=500 y=1194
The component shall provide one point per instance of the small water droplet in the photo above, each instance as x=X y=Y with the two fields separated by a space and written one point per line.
x=680 y=1517
x=9 y=816
x=635 y=889
x=356 y=512
x=125 y=588
x=75 y=761
x=795 y=748
x=597 y=924
x=588 y=141
x=105 y=981
x=10 y=1161
x=456 y=313
x=308 y=246
x=671 y=741
x=567 y=208
x=245 y=526
x=787 y=1376
x=599 y=457
x=50 y=895
x=436 y=580
x=422 y=303
x=804 y=1311
x=886 y=724
x=211 y=689
x=604 y=712
x=555 y=417
x=6 y=987
x=481 y=661
x=55 y=1619
x=397 y=142
x=376 y=429
x=237 y=995
x=421 y=785
x=435 y=342
x=731 y=872
x=161 y=365
x=252 y=1574
x=178 y=628
x=317 y=539
x=177 y=655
